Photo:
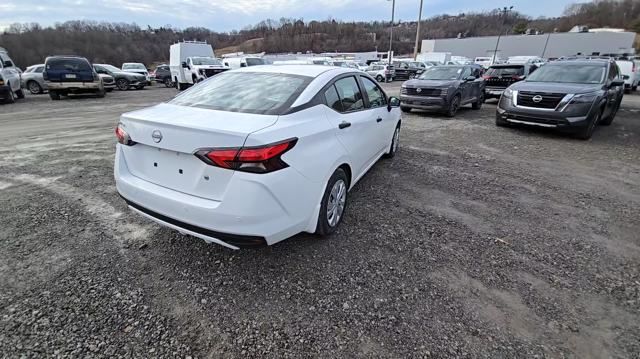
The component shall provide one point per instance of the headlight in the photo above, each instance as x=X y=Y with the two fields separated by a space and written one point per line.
x=584 y=98
x=508 y=93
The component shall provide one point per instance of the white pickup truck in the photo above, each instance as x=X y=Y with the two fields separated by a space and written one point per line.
x=630 y=73
x=191 y=62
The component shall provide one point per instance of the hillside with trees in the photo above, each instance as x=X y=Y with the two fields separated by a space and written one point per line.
x=117 y=43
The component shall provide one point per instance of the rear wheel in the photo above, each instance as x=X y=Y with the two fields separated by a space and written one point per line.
x=54 y=95
x=478 y=104
x=181 y=86
x=607 y=121
x=334 y=202
x=167 y=82
x=395 y=141
x=10 y=97
x=122 y=84
x=379 y=78
x=454 y=105
x=34 y=87
x=20 y=93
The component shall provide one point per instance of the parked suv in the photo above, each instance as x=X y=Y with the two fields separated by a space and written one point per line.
x=381 y=72
x=123 y=80
x=498 y=77
x=443 y=88
x=139 y=69
x=66 y=75
x=406 y=70
x=163 y=75
x=572 y=96
x=10 y=87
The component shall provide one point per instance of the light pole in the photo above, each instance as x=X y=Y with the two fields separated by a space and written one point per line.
x=504 y=11
x=393 y=10
x=415 y=48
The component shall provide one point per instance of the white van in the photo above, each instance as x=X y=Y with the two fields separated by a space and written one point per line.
x=191 y=62
x=243 y=61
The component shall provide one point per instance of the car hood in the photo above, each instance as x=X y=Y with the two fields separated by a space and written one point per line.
x=429 y=83
x=127 y=73
x=136 y=71
x=555 y=87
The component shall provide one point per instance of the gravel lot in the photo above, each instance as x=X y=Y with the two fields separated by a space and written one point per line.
x=474 y=241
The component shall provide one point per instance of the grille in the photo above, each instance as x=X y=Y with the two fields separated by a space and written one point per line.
x=211 y=72
x=423 y=92
x=549 y=100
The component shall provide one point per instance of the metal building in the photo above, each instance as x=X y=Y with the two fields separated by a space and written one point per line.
x=551 y=45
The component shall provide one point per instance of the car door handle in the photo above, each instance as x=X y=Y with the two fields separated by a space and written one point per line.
x=379 y=119
x=344 y=125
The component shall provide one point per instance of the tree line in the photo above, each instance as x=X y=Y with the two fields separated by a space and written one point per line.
x=115 y=43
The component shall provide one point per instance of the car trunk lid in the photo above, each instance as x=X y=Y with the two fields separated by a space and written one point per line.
x=167 y=136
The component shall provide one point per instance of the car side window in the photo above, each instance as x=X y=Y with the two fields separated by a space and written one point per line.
x=613 y=71
x=39 y=69
x=466 y=72
x=332 y=99
x=349 y=93
x=374 y=93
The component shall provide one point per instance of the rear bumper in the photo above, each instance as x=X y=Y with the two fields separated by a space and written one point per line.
x=4 y=91
x=74 y=86
x=250 y=213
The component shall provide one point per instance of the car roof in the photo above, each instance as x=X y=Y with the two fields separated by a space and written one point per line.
x=601 y=62
x=300 y=70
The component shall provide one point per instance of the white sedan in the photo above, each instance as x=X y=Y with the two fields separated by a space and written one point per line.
x=256 y=155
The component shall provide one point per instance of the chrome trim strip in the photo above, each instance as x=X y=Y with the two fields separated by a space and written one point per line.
x=531 y=123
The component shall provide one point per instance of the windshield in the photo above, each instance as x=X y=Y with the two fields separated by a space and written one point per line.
x=252 y=61
x=252 y=92
x=110 y=68
x=569 y=73
x=205 y=61
x=133 y=67
x=442 y=73
x=506 y=71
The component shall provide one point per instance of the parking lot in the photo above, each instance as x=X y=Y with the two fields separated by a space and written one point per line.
x=474 y=241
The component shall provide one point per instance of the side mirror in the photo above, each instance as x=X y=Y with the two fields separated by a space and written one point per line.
x=616 y=83
x=7 y=64
x=393 y=102
x=184 y=65
x=469 y=78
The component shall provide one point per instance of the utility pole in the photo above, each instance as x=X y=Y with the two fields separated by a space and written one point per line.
x=504 y=11
x=393 y=9
x=415 y=48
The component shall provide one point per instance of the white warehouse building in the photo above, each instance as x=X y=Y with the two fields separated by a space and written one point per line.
x=551 y=45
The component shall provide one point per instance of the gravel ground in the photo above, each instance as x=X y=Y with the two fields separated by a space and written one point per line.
x=474 y=241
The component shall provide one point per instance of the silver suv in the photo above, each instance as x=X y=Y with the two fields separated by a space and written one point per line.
x=10 y=88
x=381 y=72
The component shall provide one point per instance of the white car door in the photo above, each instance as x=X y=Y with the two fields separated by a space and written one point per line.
x=355 y=125
x=377 y=102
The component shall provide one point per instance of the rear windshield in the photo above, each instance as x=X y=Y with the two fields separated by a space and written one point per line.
x=250 y=92
x=442 y=73
x=569 y=73
x=68 y=64
x=133 y=67
x=506 y=71
x=254 y=61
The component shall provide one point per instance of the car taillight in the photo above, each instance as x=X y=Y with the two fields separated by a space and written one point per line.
x=486 y=77
x=518 y=77
x=258 y=159
x=123 y=136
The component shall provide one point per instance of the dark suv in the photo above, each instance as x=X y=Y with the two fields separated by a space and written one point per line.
x=406 y=70
x=443 y=88
x=163 y=75
x=498 y=77
x=573 y=96
x=66 y=75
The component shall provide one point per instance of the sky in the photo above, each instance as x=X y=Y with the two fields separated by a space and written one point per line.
x=227 y=15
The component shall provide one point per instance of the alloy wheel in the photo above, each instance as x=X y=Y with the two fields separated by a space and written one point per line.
x=337 y=200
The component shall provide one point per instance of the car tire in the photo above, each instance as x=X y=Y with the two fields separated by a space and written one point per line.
x=11 y=98
x=334 y=203
x=607 y=121
x=379 y=78
x=122 y=84
x=395 y=142
x=478 y=104
x=182 y=87
x=587 y=132
x=54 y=95
x=405 y=109
x=454 y=105
x=100 y=93
x=168 y=83
x=20 y=93
x=634 y=88
x=34 y=87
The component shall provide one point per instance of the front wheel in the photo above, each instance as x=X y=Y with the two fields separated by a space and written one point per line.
x=333 y=203
x=20 y=93
x=454 y=105
x=379 y=78
x=585 y=133
x=10 y=98
x=478 y=104
x=34 y=88
x=607 y=121
x=167 y=82
x=122 y=84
